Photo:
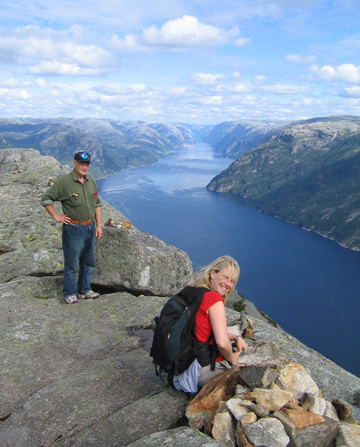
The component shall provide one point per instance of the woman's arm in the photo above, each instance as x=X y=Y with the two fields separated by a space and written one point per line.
x=218 y=325
x=240 y=342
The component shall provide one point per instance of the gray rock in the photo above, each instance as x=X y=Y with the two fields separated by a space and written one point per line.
x=176 y=437
x=141 y=263
x=349 y=435
x=70 y=404
x=260 y=410
x=320 y=435
x=153 y=413
x=267 y=432
x=258 y=376
x=237 y=410
x=48 y=342
x=223 y=429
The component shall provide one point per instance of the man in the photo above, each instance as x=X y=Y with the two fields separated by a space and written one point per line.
x=81 y=221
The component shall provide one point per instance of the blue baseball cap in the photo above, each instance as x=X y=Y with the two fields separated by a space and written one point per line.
x=82 y=157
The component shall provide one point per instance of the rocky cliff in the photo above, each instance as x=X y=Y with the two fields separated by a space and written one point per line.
x=307 y=174
x=81 y=375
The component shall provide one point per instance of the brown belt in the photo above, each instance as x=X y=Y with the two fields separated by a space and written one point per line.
x=82 y=222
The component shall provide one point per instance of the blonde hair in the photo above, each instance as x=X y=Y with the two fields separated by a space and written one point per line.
x=204 y=277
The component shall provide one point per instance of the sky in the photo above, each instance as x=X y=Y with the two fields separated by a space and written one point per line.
x=179 y=61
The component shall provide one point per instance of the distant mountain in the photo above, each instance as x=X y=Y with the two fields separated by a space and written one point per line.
x=114 y=145
x=231 y=139
x=309 y=174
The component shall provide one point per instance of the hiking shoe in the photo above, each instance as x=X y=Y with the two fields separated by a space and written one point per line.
x=87 y=295
x=71 y=299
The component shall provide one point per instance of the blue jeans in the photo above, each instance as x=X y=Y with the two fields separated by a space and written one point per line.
x=78 y=247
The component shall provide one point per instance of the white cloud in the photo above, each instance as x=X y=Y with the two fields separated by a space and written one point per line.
x=212 y=100
x=6 y=93
x=177 y=91
x=351 y=92
x=303 y=60
x=51 y=54
x=42 y=83
x=78 y=39
x=241 y=41
x=240 y=88
x=282 y=89
x=128 y=43
x=60 y=68
x=206 y=79
x=260 y=78
x=178 y=34
x=185 y=32
x=12 y=82
x=120 y=89
x=344 y=73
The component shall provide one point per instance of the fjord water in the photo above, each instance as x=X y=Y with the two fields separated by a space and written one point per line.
x=308 y=284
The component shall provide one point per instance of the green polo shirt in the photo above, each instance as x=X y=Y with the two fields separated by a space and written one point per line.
x=78 y=200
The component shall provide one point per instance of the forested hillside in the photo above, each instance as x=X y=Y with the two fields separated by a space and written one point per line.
x=308 y=174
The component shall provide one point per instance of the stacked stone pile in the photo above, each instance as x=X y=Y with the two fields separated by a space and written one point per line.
x=268 y=402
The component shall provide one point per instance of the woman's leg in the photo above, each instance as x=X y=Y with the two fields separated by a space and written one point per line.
x=206 y=374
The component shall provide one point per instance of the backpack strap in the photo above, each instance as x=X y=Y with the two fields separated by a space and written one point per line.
x=206 y=353
x=214 y=351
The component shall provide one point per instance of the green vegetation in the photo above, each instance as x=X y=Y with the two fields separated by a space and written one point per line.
x=315 y=187
x=270 y=320
x=239 y=306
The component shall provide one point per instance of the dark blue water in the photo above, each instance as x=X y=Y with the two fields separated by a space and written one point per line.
x=308 y=284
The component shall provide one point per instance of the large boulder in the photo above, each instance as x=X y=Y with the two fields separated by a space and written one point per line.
x=141 y=263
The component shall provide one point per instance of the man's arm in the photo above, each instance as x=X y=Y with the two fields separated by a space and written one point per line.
x=62 y=218
x=98 y=228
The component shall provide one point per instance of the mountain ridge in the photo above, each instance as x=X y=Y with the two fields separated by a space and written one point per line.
x=307 y=174
x=114 y=145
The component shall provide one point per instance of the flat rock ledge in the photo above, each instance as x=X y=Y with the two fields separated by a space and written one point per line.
x=81 y=375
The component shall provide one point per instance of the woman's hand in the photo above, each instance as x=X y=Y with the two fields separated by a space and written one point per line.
x=241 y=344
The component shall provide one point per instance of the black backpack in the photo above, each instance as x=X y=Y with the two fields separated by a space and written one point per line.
x=174 y=345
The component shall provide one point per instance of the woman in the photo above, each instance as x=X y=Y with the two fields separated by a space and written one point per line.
x=220 y=278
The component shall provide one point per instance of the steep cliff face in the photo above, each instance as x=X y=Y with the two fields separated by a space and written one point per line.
x=307 y=174
x=80 y=375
